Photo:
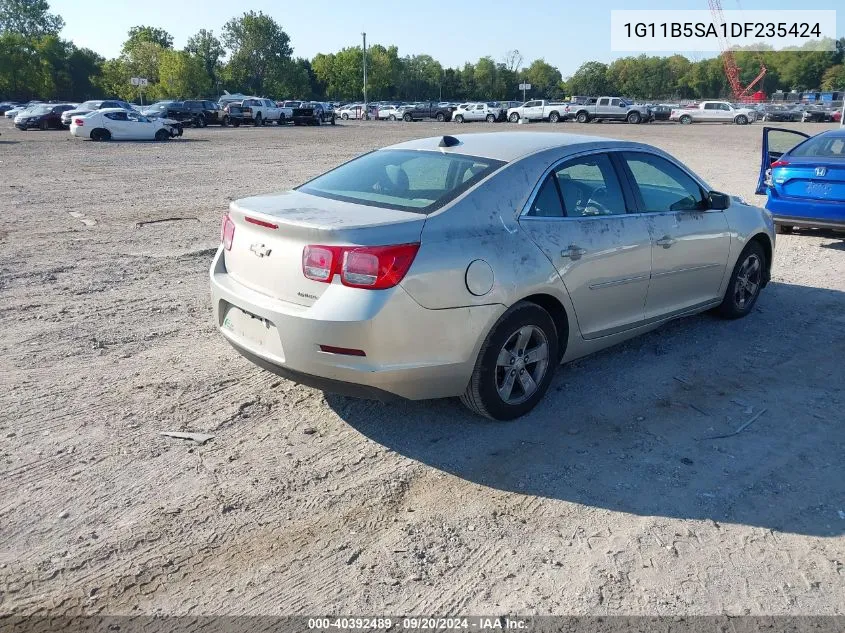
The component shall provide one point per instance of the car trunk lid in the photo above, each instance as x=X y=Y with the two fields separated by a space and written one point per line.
x=811 y=177
x=272 y=231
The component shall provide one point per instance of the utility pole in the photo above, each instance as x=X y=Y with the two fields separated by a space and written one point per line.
x=366 y=112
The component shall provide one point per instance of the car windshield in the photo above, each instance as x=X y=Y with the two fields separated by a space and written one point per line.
x=90 y=105
x=40 y=110
x=406 y=180
x=825 y=146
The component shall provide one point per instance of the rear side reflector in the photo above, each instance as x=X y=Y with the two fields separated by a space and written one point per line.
x=345 y=351
x=227 y=232
x=374 y=267
x=257 y=222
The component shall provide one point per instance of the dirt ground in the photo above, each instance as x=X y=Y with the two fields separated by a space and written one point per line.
x=606 y=499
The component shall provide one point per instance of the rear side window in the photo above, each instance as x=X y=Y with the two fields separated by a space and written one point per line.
x=822 y=146
x=662 y=185
x=547 y=203
x=406 y=180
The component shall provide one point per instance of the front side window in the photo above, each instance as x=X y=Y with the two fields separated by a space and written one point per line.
x=589 y=187
x=663 y=186
x=116 y=116
x=406 y=180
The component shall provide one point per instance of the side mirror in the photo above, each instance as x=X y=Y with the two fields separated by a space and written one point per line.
x=718 y=201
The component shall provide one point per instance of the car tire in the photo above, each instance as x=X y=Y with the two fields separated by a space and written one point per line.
x=554 y=117
x=392 y=117
x=407 y=118
x=440 y=117
x=459 y=118
x=162 y=135
x=258 y=121
x=750 y=268
x=490 y=378
x=634 y=118
x=333 y=121
x=100 y=134
x=491 y=118
x=582 y=117
x=783 y=229
x=224 y=121
x=685 y=119
x=43 y=125
x=344 y=116
x=514 y=117
x=236 y=123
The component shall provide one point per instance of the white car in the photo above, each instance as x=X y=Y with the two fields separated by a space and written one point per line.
x=351 y=111
x=118 y=124
x=476 y=112
x=388 y=113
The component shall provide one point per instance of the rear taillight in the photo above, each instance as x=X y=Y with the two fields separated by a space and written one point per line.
x=374 y=267
x=780 y=163
x=227 y=232
x=77 y=122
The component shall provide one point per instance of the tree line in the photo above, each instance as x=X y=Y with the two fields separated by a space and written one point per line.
x=253 y=54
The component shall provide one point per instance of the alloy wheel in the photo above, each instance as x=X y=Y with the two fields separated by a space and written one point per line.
x=748 y=280
x=521 y=364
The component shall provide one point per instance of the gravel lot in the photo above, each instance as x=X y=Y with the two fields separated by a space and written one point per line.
x=604 y=500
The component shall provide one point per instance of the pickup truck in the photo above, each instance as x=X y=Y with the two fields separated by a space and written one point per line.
x=609 y=109
x=313 y=113
x=537 y=110
x=426 y=110
x=260 y=111
x=714 y=112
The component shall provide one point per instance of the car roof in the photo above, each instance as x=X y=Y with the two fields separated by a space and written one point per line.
x=504 y=146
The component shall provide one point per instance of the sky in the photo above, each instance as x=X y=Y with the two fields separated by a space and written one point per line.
x=565 y=33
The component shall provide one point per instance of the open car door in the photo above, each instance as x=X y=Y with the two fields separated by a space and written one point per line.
x=776 y=142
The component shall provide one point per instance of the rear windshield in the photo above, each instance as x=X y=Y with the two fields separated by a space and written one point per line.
x=406 y=180
x=832 y=146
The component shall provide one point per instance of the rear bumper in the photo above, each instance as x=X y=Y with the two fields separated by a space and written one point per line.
x=808 y=223
x=411 y=352
x=807 y=213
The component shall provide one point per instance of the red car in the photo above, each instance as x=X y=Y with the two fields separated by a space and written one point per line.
x=43 y=116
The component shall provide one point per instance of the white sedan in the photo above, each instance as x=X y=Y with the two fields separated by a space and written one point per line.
x=388 y=113
x=118 y=124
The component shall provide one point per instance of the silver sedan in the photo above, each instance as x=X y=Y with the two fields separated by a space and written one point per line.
x=473 y=265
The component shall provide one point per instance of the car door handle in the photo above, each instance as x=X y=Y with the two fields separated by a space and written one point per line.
x=666 y=241
x=573 y=252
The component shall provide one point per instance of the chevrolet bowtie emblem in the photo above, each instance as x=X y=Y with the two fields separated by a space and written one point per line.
x=821 y=171
x=260 y=250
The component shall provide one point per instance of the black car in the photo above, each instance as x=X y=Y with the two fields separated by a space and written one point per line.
x=313 y=113
x=780 y=114
x=44 y=117
x=661 y=112
x=430 y=110
x=204 y=112
x=7 y=105
x=234 y=113
x=816 y=114
x=172 y=110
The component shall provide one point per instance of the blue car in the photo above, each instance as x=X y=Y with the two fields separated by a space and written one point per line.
x=803 y=178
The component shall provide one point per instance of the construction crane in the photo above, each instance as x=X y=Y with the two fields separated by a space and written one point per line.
x=741 y=93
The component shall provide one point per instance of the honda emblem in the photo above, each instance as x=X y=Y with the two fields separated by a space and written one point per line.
x=821 y=171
